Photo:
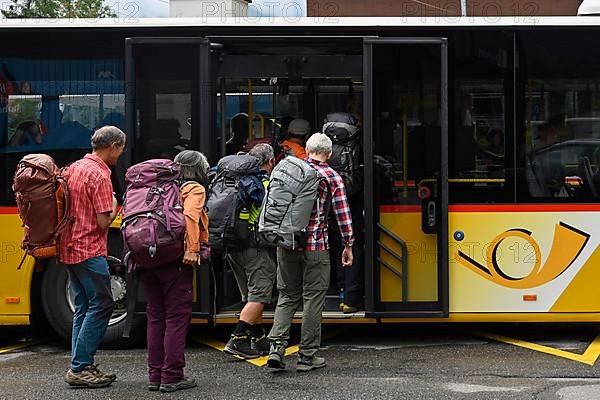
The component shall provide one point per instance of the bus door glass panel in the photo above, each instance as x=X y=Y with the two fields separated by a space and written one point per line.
x=166 y=113
x=166 y=100
x=406 y=171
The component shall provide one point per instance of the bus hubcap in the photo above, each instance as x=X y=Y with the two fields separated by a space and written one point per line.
x=118 y=286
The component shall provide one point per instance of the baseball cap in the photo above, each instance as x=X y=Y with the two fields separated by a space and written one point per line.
x=299 y=126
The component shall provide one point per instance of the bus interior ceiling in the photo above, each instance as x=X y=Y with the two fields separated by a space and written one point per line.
x=305 y=81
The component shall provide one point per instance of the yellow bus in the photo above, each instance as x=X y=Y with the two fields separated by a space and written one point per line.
x=481 y=142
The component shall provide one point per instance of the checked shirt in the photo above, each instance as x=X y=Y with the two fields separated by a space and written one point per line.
x=317 y=227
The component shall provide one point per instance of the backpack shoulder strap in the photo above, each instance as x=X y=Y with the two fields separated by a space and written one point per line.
x=63 y=187
x=328 y=198
x=64 y=192
x=186 y=183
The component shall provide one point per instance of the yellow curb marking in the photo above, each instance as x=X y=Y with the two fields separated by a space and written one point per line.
x=260 y=361
x=19 y=346
x=589 y=356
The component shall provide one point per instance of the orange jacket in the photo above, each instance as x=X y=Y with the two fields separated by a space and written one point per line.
x=296 y=149
x=193 y=197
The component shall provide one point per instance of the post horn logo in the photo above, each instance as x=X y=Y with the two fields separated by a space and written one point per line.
x=567 y=244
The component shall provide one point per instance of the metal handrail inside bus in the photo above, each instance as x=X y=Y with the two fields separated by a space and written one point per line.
x=401 y=258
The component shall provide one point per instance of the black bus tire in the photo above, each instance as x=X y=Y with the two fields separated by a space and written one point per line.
x=59 y=311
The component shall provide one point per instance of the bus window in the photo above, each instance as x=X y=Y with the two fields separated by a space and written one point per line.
x=560 y=146
x=93 y=110
x=53 y=106
x=479 y=138
x=24 y=125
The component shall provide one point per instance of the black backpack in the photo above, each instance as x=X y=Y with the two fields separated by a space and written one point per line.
x=227 y=226
x=346 y=157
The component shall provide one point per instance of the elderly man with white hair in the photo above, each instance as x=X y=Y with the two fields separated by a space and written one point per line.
x=303 y=275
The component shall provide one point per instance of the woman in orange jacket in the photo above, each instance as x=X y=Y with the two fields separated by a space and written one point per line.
x=169 y=288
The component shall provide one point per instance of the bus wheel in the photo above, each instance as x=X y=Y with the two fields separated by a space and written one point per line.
x=59 y=306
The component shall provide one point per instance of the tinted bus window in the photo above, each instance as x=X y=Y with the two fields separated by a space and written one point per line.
x=53 y=106
x=478 y=140
x=559 y=146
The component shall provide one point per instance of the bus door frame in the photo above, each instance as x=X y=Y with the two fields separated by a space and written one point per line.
x=203 y=129
x=370 y=216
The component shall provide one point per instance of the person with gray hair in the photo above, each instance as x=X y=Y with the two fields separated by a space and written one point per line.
x=108 y=136
x=265 y=154
x=303 y=276
x=193 y=166
x=83 y=248
x=255 y=271
x=319 y=144
x=168 y=288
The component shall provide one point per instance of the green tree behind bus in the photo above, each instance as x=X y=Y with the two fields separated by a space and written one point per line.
x=58 y=9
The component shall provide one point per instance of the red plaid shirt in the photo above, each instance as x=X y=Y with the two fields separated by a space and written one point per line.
x=317 y=226
x=91 y=192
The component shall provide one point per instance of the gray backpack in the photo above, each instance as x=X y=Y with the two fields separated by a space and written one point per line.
x=286 y=209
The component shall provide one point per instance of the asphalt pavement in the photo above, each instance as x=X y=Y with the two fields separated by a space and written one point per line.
x=424 y=361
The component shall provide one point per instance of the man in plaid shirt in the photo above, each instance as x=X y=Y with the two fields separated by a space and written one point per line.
x=83 y=250
x=303 y=275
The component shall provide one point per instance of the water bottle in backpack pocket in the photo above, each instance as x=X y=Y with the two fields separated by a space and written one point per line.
x=153 y=224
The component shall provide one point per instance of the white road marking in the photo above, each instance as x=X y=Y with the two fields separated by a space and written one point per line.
x=585 y=392
x=12 y=356
x=466 y=388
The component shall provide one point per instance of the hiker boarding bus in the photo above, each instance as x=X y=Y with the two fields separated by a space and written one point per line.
x=481 y=143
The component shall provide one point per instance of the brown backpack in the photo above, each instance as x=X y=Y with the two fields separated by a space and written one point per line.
x=42 y=198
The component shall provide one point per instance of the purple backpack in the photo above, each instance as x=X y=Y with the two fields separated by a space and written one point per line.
x=153 y=223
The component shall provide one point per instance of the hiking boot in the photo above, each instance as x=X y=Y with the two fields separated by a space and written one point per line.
x=86 y=378
x=153 y=386
x=277 y=356
x=306 y=364
x=184 y=383
x=240 y=346
x=94 y=368
x=261 y=345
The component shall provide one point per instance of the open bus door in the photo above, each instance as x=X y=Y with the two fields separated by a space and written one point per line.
x=406 y=177
x=170 y=102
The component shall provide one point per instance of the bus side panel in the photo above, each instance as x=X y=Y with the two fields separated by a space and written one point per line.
x=15 y=285
x=532 y=262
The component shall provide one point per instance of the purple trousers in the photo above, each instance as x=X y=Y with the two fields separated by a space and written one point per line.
x=169 y=294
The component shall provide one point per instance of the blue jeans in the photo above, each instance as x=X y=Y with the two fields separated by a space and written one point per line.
x=90 y=287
